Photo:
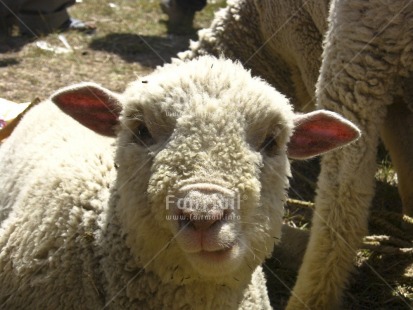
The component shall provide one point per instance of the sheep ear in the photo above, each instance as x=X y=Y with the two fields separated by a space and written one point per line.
x=319 y=132
x=91 y=105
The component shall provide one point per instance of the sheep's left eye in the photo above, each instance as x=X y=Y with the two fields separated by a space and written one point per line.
x=142 y=136
x=269 y=146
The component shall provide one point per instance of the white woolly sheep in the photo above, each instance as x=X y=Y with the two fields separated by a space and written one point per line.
x=90 y=223
x=280 y=41
x=366 y=76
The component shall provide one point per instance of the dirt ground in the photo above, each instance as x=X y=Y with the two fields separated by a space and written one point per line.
x=130 y=41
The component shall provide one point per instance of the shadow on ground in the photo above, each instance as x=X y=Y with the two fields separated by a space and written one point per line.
x=380 y=281
x=149 y=51
x=380 y=273
x=9 y=44
x=7 y=62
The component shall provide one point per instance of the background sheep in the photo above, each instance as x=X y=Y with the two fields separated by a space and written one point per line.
x=79 y=231
x=365 y=76
x=264 y=35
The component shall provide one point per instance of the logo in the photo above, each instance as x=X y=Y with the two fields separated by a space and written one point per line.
x=218 y=201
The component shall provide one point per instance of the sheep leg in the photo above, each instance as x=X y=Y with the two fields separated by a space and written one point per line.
x=355 y=80
x=339 y=222
x=397 y=135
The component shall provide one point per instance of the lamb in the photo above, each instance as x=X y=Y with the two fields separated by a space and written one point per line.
x=365 y=76
x=143 y=221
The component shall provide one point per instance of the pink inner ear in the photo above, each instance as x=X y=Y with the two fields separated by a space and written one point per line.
x=92 y=106
x=318 y=132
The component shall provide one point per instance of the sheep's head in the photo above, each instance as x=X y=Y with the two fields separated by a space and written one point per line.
x=203 y=168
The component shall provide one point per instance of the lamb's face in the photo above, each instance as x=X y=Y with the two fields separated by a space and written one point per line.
x=203 y=166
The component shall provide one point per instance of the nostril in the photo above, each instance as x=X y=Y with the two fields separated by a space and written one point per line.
x=184 y=220
x=226 y=215
x=200 y=220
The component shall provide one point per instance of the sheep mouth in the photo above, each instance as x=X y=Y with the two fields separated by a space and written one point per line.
x=225 y=257
x=217 y=263
x=218 y=255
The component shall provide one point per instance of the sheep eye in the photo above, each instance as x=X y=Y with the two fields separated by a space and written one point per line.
x=269 y=146
x=142 y=136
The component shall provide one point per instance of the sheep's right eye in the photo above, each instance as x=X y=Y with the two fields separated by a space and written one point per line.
x=269 y=146
x=142 y=136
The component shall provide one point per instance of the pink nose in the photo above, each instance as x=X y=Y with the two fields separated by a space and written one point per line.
x=200 y=220
x=203 y=205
